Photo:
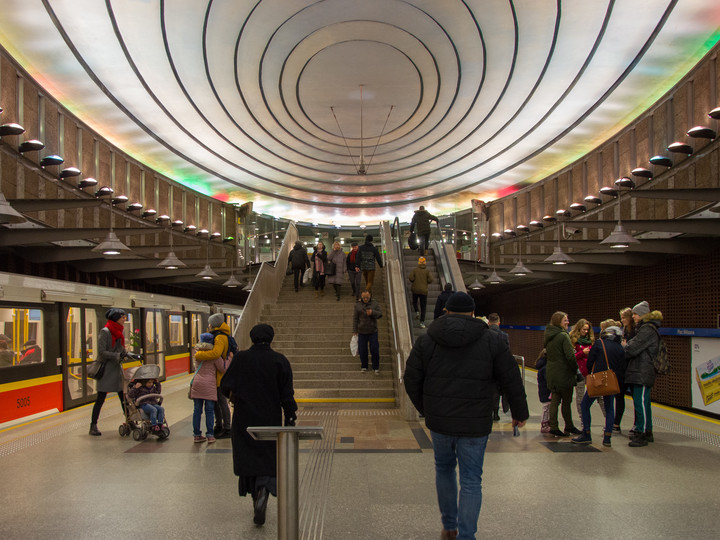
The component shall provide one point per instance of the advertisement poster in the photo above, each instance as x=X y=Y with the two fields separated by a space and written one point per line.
x=705 y=373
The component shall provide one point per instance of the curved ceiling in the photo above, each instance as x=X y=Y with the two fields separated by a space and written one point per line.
x=343 y=112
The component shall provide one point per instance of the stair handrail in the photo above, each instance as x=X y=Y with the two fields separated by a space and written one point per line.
x=397 y=244
x=397 y=308
x=265 y=288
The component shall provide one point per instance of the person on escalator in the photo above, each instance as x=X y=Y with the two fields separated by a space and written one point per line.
x=420 y=224
x=420 y=278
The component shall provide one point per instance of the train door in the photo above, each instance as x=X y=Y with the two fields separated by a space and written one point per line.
x=81 y=327
x=177 y=358
x=197 y=324
x=155 y=342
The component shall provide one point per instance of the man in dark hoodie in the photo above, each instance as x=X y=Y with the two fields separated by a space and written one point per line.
x=420 y=223
x=442 y=300
x=450 y=377
x=368 y=255
x=298 y=260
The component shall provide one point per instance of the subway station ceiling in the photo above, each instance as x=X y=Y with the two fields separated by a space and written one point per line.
x=346 y=111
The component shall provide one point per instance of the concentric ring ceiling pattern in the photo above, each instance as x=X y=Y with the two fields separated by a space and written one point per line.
x=282 y=102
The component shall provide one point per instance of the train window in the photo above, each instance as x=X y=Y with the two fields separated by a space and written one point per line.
x=21 y=336
x=196 y=327
x=153 y=331
x=176 y=329
x=132 y=334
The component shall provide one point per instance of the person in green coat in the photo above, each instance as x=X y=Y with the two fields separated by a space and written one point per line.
x=420 y=277
x=561 y=373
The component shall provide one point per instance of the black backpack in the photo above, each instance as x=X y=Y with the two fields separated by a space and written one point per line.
x=232 y=344
x=661 y=362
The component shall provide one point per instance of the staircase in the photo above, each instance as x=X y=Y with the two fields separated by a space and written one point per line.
x=314 y=334
x=410 y=260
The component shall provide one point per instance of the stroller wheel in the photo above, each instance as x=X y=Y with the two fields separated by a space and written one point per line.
x=137 y=434
x=164 y=433
x=124 y=430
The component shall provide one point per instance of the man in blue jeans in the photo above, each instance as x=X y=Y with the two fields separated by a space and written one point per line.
x=450 y=377
x=365 y=315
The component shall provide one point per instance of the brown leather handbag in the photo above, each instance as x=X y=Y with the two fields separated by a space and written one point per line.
x=602 y=383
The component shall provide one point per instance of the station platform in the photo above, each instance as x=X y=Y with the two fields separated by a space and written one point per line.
x=371 y=477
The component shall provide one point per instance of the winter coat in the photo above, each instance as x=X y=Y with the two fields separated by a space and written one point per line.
x=580 y=356
x=561 y=365
x=368 y=255
x=112 y=379
x=503 y=335
x=218 y=350
x=362 y=322
x=543 y=391
x=204 y=382
x=420 y=222
x=137 y=393
x=615 y=356
x=420 y=277
x=319 y=258
x=298 y=258
x=440 y=303
x=338 y=257
x=259 y=382
x=641 y=350
x=452 y=373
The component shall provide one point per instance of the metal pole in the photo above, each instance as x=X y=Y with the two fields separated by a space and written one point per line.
x=287 y=469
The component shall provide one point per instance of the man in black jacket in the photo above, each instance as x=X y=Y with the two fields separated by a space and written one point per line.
x=369 y=254
x=298 y=260
x=450 y=377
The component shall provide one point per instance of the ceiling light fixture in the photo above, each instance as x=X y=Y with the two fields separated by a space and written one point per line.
x=8 y=214
x=171 y=262
x=50 y=161
x=32 y=145
x=620 y=238
x=702 y=132
x=557 y=256
x=11 y=129
x=520 y=269
x=207 y=272
x=112 y=245
x=661 y=161
x=361 y=168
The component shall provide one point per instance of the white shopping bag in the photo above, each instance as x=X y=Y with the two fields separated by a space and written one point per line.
x=354 y=346
x=307 y=276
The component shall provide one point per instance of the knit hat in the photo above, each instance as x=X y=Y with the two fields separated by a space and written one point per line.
x=216 y=319
x=368 y=238
x=207 y=337
x=612 y=331
x=460 y=302
x=643 y=308
x=421 y=260
x=114 y=314
x=448 y=287
x=262 y=333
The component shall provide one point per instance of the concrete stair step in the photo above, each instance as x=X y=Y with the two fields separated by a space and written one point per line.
x=372 y=382
x=344 y=393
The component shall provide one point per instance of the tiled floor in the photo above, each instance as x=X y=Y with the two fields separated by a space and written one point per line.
x=370 y=478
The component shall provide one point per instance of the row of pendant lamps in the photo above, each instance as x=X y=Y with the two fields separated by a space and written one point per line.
x=619 y=238
x=111 y=245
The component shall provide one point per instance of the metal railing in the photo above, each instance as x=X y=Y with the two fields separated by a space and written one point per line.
x=265 y=289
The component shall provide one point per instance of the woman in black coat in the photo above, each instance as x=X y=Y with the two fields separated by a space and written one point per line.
x=259 y=382
x=606 y=353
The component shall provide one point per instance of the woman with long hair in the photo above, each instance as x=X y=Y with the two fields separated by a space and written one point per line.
x=338 y=278
x=582 y=338
x=560 y=373
x=319 y=260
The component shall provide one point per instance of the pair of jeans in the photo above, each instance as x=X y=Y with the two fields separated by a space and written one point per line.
x=363 y=341
x=355 y=282
x=643 y=410
x=608 y=403
x=209 y=416
x=564 y=395
x=422 y=298
x=423 y=242
x=155 y=412
x=468 y=453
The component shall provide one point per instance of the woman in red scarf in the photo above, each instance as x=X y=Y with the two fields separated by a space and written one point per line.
x=111 y=350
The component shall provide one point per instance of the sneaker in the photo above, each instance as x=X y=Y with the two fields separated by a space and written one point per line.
x=557 y=433
x=649 y=436
x=224 y=434
x=363 y=369
x=606 y=440
x=417 y=314
x=638 y=440
x=544 y=427
x=422 y=325
x=211 y=439
x=632 y=432
x=584 y=438
x=199 y=439
x=377 y=372
x=573 y=431
x=616 y=429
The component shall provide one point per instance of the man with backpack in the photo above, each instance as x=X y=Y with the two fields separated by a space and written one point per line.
x=226 y=347
x=640 y=353
x=368 y=255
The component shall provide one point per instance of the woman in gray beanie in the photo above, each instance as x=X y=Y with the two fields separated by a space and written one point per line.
x=111 y=351
x=640 y=352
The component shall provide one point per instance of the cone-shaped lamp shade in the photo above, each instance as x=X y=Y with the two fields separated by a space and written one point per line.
x=620 y=238
x=520 y=269
x=8 y=214
x=558 y=257
x=493 y=278
x=232 y=282
x=476 y=285
x=111 y=245
x=207 y=273
x=171 y=262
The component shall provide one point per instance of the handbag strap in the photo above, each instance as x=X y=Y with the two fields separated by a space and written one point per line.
x=607 y=364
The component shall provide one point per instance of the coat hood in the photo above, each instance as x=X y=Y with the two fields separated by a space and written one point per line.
x=652 y=316
x=455 y=330
x=550 y=332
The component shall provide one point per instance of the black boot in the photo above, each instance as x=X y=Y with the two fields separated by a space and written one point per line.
x=260 y=504
x=94 y=430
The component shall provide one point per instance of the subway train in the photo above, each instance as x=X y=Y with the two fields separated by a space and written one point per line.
x=48 y=335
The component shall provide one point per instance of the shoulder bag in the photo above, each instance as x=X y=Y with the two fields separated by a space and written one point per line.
x=602 y=383
x=330 y=268
x=96 y=370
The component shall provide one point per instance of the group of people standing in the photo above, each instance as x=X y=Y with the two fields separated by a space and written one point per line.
x=331 y=267
x=627 y=347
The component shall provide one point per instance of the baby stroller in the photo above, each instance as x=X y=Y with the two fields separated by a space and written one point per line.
x=137 y=421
